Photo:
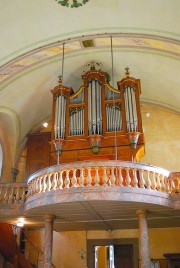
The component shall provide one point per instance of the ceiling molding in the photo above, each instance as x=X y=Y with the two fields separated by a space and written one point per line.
x=121 y=42
x=98 y=30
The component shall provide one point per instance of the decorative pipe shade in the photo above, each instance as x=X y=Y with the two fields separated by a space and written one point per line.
x=95 y=141
x=133 y=138
x=58 y=144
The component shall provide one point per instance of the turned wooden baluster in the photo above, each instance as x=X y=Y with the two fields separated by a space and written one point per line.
x=29 y=190
x=172 y=185
x=112 y=177
x=135 y=179
x=163 y=186
x=11 y=196
x=158 y=183
x=54 y=180
x=148 y=181
x=34 y=187
x=141 y=181
x=153 y=184
x=105 y=177
x=37 y=186
x=74 y=178
x=23 y=197
x=49 y=183
x=17 y=196
x=96 y=177
x=44 y=183
x=6 y=196
x=166 y=186
x=128 y=179
x=120 y=178
x=60 y=180
x=67 y=180
x=40 y=184
x=89 y=177
x=81 y=178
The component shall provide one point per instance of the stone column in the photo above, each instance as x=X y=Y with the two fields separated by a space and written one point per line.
x=143 y=240
x=48 y=240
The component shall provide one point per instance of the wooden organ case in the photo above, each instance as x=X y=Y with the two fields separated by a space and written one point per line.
x=97 y=119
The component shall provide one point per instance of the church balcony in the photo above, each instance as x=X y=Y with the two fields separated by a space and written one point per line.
x=107 y=173
x=94 y=195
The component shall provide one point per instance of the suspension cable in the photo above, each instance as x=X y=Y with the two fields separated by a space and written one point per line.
x=112 y=75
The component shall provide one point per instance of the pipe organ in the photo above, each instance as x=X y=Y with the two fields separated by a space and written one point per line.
x=94 y=116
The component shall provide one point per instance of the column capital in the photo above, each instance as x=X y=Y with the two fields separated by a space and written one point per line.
x=49 y=217
x=142 y=212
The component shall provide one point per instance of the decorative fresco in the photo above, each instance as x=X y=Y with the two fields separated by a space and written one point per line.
x=35 y=57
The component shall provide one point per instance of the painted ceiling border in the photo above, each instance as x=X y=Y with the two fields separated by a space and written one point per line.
x=105 y=30
x=12 y=68
x=56 y=58
x=95 y=37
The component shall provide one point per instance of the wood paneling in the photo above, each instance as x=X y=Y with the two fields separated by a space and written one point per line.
x=38 y=152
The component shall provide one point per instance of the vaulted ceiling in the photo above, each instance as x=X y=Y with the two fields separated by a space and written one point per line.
x=145 y=37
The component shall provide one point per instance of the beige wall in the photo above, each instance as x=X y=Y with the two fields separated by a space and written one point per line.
x=67 y=245
x=162 y=137
x=164 y=241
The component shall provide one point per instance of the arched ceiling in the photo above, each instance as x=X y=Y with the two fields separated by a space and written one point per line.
x=145 y=36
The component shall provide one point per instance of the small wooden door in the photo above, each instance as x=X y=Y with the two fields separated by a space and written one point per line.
x=123 y=256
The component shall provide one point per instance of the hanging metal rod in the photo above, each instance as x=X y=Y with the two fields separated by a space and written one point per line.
x=112 y=74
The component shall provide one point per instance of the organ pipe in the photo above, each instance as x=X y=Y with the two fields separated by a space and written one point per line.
x=60 y=113
x=130 y=106
x=96 y=108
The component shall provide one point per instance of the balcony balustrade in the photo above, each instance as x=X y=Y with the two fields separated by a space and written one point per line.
x=90 y=174
x=102 y=174
x=13 y=193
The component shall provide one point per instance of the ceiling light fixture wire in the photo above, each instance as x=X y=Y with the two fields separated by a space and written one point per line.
x=112 y=75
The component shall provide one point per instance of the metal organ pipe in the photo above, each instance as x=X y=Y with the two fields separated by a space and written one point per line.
x=94 y=108
x=89 y=110
x=60 y=115
x=70 y=128
x=76 y=121
x=113 y=117
x=93 y=103
x=130 y=106
x=56 y=119
x=61 y=118
x=64 y=117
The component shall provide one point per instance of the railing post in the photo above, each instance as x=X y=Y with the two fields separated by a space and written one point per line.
x=48 y=240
